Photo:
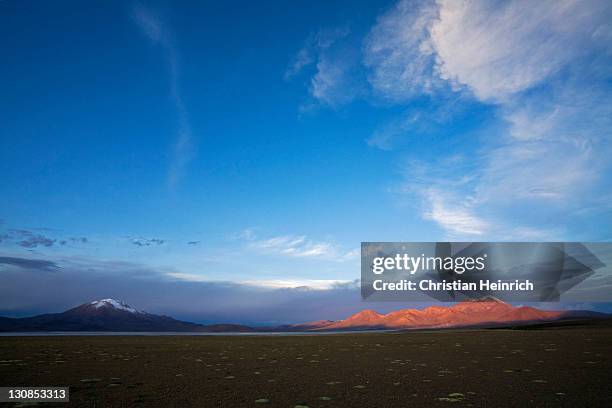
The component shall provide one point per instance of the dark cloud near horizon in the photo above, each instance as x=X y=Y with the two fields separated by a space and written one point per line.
x=34 y=264
x=75 y=282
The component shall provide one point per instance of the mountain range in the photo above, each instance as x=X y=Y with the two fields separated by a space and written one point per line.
x=114 y=316
x=488 y=311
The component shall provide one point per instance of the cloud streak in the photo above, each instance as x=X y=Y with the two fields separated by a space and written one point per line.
x=183 y=150
x=295 y=246
x=30 y=264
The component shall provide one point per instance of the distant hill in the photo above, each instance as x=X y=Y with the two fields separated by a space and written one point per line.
x=109 y=315
x=470 y=313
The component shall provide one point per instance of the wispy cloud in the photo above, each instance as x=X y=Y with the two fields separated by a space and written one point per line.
x=303 y=58
x=184 y=150
x=413 y=125
x=246 y=234
x=335 y=60
x=398 y=54
x=457 y=218
x=295 y=246
x=541 y=69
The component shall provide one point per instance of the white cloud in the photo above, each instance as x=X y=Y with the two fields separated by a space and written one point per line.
x=543 y=68
x=454 y=216
x=498 y=49
x=495 y=49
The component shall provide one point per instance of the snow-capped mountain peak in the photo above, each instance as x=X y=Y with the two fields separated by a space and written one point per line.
x=115 y=304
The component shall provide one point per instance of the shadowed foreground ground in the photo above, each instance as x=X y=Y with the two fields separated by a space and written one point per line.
x=550 y=367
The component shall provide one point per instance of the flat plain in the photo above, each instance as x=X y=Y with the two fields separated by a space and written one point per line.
x=556 y=366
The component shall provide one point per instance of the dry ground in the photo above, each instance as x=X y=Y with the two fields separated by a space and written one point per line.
x=569 y=366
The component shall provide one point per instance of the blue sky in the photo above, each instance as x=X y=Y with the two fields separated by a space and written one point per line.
x=200 y=142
